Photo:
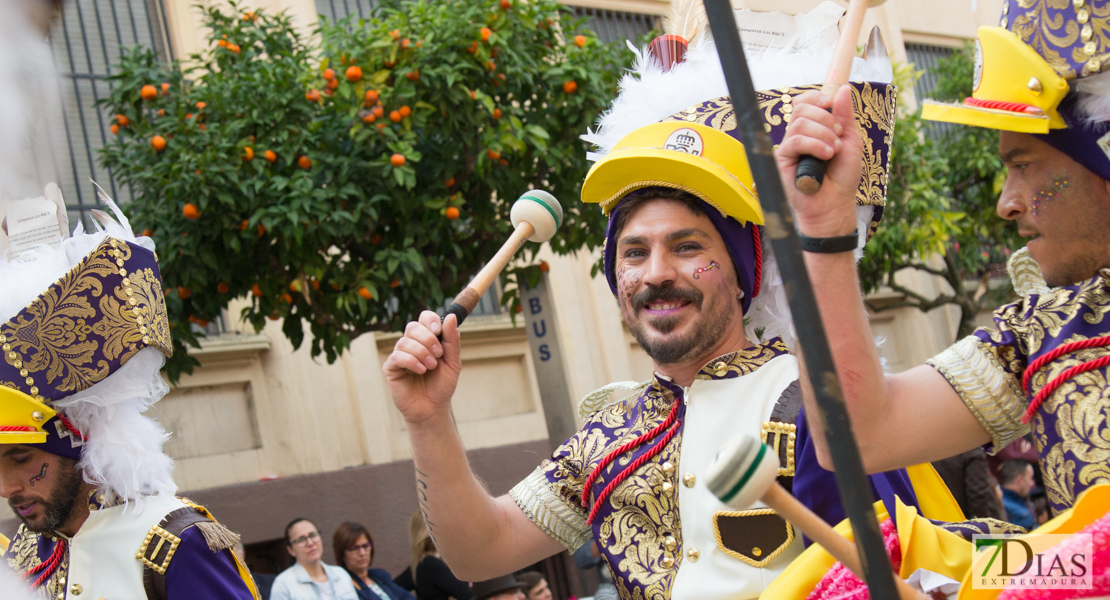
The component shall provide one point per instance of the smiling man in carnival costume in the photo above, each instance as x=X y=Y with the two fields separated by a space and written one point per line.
x=84 y=334
x=1043 y=78
x=699 y=290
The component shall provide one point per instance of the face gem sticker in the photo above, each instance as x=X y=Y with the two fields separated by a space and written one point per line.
x=712 y=265
x=39 y=476
x=1052 y=192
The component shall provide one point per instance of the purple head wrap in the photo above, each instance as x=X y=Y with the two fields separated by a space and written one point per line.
x=60 y=441
x=1081 y=139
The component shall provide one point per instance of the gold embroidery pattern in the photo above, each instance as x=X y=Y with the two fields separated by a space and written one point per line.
x=23 y=553
x=784 y=434
x=1073 y=38
x=738 y=364
x=98 y=313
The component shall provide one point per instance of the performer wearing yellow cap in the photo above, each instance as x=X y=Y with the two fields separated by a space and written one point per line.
x=698 y=288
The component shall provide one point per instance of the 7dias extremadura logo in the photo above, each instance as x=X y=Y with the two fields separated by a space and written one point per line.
x=1042 y=561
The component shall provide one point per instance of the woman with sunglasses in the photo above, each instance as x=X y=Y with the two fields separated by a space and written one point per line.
x=310 y=578
x=354 y=551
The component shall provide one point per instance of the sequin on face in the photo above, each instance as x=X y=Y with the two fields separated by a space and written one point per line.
x=712 y=265
x=1051 y=192
x=39 y=476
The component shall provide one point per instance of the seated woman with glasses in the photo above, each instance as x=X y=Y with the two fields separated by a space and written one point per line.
x=354 y=551
x=310 y=578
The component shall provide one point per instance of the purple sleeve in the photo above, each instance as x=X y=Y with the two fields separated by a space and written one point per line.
x=199 y=573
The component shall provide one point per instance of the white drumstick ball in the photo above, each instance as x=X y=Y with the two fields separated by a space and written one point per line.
x=742 y=472
x=541 y=210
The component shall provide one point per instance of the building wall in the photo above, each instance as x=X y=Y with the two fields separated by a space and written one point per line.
x=263 y=434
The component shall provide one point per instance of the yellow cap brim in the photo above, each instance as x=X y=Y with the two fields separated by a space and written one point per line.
x=985 y=117
x=626 y=170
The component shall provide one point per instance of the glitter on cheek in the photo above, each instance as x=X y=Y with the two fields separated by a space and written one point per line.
x=39 y=476
x=1050 y=193
x=712 y=265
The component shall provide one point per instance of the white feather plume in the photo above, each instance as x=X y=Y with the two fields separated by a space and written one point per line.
x=687 y=19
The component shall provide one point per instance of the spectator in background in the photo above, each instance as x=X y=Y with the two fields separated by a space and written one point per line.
x=263 y=581
x=589 y=557
x=354 y=551
x=1017 y=482
x=433 y=578
x=310 y=578
x=968 y=476
x=534 y=586
x=505 y=587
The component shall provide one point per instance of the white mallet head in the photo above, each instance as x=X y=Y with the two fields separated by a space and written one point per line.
x=541 y=210
x=742 y=472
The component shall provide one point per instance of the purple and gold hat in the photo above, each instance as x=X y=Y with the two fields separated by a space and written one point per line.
x=1044 y=70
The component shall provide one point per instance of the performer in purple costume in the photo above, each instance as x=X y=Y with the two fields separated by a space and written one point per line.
x=1041 y=367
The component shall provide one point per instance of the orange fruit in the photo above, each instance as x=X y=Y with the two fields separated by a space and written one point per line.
x=332 y=84
x=544 y=266
x=380 y=126
x=493 y=154
x=304 y=162
x=405 y=110
x=248 y=153
x=243 y=226
x=158 y=143
x=389 y=63
x=378 y=111
x=485 y=32
x=405 y=43
x=491 y=66
x=472 y=48
x=114 y=129
x=315 y=285
x=452 y=213
x=397 y=160
x=234 y=48
x=161 y=112
x=354 y=73
x=148 y=92
x=190 y=211
x=375 y=239
x=148 y=232
x=580 y=40
x=188 y=116
x=500 y=76
x=368 y=119
x=473 y=95
x=328 y=92
x=506 y=4
x=449 y=182
x=288 y=299
x=312 y=96
x=497 y=113
x=123 y=120
x=248 y=16
x=203 y=127
x=504 y=162
x=270 y=156
x=329 y=74
x=261 y=230
x=223 y=287
x=371 y=97
x=395 y=116
x=165 y=88
x=396 y=33
x=296 y=286
x=365 y=293
x=221 y=43
x=257 y=291
x=273 y=317
x=412 y=75
x=396 y=283
x=201 y=105
x=570 y=86
x=183 y=292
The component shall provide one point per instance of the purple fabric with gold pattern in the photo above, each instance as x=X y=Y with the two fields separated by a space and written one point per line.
x=1070 y=429
x=875 y=106
x=87 y=324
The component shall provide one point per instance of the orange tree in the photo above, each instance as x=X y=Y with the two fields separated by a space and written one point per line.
x=348 y=183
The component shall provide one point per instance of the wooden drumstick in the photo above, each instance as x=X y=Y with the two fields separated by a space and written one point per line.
x=536 y=215
x=811 y=170
x=745 y=471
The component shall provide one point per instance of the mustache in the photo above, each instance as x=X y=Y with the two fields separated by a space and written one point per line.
x=666 y=294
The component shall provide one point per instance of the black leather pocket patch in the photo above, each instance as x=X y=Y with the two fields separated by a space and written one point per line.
x=755 y=536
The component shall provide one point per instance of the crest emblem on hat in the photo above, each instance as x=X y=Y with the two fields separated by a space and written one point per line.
x=685 y=140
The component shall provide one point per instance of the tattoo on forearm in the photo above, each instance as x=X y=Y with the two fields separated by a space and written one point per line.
x=422 y=498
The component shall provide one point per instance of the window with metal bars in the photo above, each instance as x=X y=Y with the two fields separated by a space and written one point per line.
x=617 y=25
x=925 y=58
x=88 y=37
x=337 y=10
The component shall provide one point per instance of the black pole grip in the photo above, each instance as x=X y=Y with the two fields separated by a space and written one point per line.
x=810 y=174
x=460 y=313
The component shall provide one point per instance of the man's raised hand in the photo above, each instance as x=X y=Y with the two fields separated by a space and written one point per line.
x=423 y=371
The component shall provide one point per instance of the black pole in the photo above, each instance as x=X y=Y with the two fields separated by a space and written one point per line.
x=855 y=488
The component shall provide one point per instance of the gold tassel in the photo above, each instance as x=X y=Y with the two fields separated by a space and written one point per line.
x=687 y=19
x=218 y=537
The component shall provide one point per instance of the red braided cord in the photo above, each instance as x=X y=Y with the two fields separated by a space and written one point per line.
x=1006 y=106
x=1057 y=353
x=4 y=428
x=1059 y=380
x=636 y=464
x=49 y=566
x=72 y=429
x=608 y=458
x=758 y=260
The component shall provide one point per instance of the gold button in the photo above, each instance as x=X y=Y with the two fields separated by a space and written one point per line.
x=1086 y=33
x=757 y=552
x=693 y=554
x=61 y=595
x=1090 y=48
x=37 y=416
x=689 y=480
x=667 y=487
x=1077 y=3
x=668 y=468
x=669 y=543
x=1003 y=23
x=1034 y=85
x=720 y=369
x=1005 y=8
x=1082 y=16
x=76 y=589
x=667 y=562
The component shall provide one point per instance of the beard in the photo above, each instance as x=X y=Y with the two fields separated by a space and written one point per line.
x=708 y=328
x=59 y=505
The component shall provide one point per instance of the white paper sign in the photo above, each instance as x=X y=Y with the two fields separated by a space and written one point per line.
x=31 y=223
x=814 y=32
